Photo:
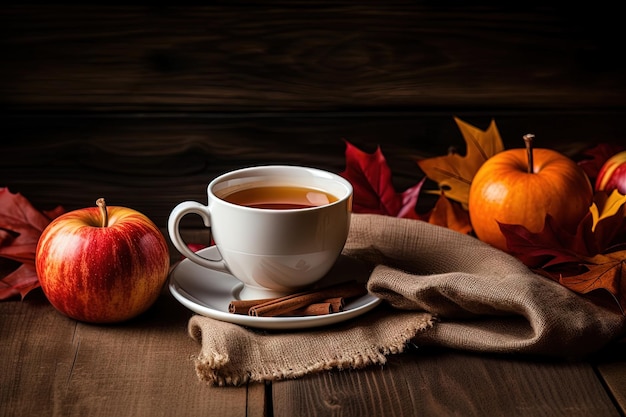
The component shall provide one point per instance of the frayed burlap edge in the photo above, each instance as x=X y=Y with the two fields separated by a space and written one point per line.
x=232 y=355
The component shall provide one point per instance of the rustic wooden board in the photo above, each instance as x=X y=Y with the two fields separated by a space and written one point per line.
x=152 y=163
x=310 y=56
x=449 y=383
x=52 y=365
x=144 y=367
x=611 y=367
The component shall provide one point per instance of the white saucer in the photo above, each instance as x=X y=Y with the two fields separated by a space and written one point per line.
x=208 y=293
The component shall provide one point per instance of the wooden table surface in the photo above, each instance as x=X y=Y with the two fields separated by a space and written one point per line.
x=55 y=366
x=145 y=105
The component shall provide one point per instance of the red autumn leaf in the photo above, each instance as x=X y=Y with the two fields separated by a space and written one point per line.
x=21 y=281
x=552 y=245
x=5 y=238
x=195 y=247
x=409 y=201
x=548 y=247
x=593 y=158
x=20 y=227
x=374 y=192
x=577 y=260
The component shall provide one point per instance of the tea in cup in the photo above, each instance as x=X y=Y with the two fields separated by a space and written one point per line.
x=278 y=229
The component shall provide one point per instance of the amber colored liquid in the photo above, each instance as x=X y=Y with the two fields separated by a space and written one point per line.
x=280 y=197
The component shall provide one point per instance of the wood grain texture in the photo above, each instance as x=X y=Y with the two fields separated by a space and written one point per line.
x=55 y=366
x=153 y=163
x=448 y=383
x=611 y=367
x=310 y=56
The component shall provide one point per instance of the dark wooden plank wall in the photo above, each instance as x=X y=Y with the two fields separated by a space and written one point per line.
x=311 y=56
x=144 y=105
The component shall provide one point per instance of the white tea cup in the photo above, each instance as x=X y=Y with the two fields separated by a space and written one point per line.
x=277 y=228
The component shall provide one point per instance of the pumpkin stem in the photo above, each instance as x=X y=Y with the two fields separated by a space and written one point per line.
x=528 y=139
x=103 y=209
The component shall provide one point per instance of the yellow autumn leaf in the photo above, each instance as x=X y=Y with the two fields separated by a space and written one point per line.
x=608 y=208
x=453 y=173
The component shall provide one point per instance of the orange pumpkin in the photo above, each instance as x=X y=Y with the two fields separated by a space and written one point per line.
x=505 y=190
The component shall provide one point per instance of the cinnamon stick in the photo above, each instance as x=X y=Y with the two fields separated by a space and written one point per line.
x=289 y=303
x=315 y=309
x=243 y=306
x=336 y=304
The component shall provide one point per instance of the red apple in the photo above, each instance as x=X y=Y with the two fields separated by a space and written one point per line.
x=506 y=190
x=102 y=264
x=612 y=174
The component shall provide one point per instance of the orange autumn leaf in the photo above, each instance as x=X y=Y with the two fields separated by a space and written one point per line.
x=454 y=173
x=448 y=214
x=605 y=272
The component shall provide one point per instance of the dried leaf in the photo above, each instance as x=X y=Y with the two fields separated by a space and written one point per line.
x=371 y=180
x=19 y=282
x=606 y=206
x=409 y=201
x=370 y=177
x=577 y=260
x=449 y=214
x=593 y=158
x=454 y=173
x=549 y=247
x=20 y=226
x=604 y=272
x=602 y=227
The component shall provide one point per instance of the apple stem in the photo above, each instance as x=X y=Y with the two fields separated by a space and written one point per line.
x=528 y=139
x=103 y=209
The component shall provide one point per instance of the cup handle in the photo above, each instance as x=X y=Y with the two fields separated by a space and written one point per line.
x=173 y=226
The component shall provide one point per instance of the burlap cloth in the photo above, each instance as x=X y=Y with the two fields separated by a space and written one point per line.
x=440 y=288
